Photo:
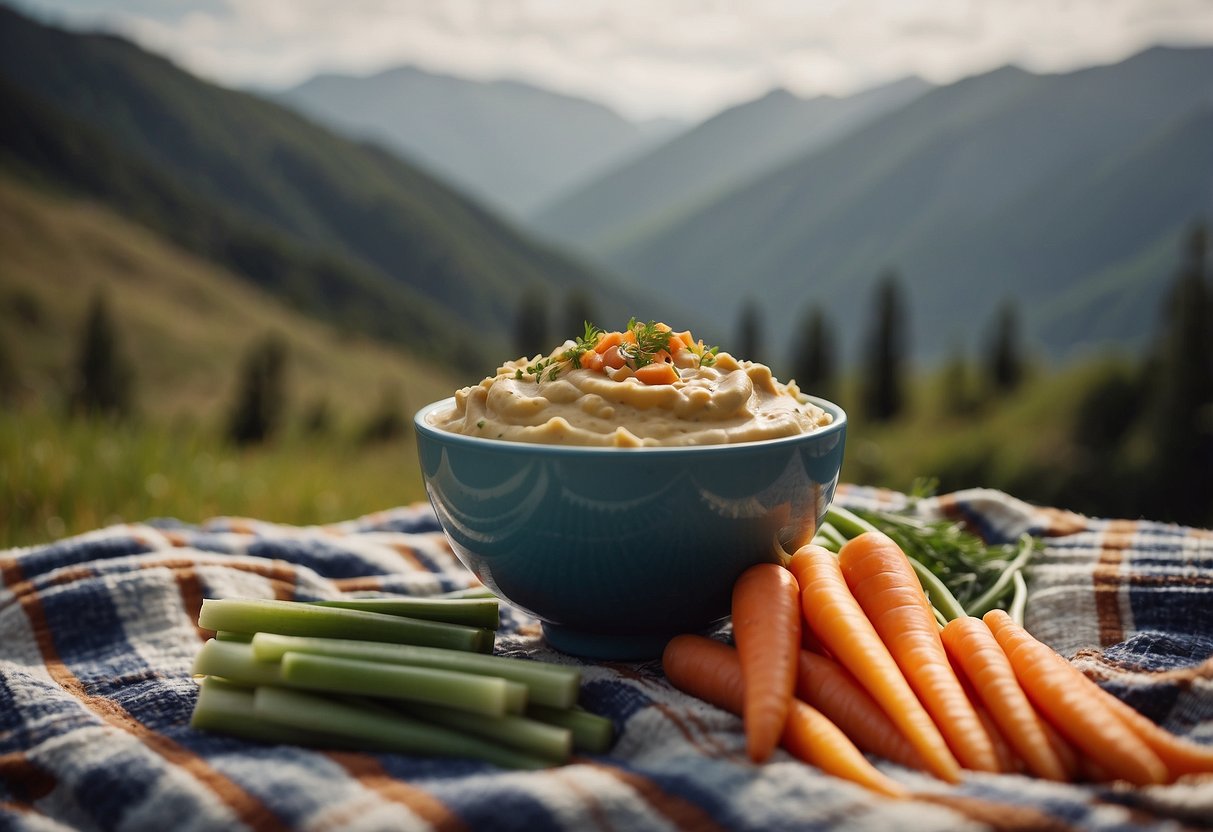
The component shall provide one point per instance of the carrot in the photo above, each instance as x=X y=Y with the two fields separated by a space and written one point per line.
x=608 y=340
x=1064 y=696
x=841 y=625
x=884 y=583
x=828 y=687
x=1181 y=756
x=766 y=628
x=657 y=373
x=973 y=647
x=711 y=671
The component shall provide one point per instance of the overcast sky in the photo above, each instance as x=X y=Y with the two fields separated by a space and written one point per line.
x=684 y=58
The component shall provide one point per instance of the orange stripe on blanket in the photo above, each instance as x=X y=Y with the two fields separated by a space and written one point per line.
x=371 y=774
x=26 y=779
x=1106 y=579
x=248 y=808
x=681 y=813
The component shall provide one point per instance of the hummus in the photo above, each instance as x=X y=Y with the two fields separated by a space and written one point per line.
x=585 y=393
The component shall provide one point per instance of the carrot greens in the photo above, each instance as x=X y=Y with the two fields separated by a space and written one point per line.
x=961 y=573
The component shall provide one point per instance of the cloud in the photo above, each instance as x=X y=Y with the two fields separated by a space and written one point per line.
x=648 y=57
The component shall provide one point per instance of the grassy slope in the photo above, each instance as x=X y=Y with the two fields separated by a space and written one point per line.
x=184 y=324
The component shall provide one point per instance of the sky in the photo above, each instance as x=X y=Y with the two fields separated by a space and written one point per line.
x=645 y=58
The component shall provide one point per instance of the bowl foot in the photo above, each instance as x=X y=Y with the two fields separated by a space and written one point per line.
x=606 y=646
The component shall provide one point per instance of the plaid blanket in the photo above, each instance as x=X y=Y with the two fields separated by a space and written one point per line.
x=97 y=636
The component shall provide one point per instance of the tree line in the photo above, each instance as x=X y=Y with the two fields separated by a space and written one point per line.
x=103 y=385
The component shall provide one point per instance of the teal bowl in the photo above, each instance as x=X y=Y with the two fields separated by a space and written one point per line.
x=617 y=550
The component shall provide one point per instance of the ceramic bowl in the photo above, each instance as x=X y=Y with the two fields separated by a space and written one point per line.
x=617 y=550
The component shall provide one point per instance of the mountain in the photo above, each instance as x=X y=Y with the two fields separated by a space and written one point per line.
x=338 y=226
x=639 y=197
x=1062 y=192
x=509 y=143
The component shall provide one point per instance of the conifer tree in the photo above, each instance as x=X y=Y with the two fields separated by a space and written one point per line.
x=885 y=359
x=1006 y=351
x=261 y=398
x=749 y=332
x=814 y=356
x=531 y=325
x=102 y=383
x=578 y=310
x=1180 y=400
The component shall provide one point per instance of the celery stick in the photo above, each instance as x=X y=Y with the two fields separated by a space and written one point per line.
x=468 y=592
x=226 y=708
x=235 y=661
x=471 y=612
x=254 y=615
x=229 y=635
x=591 y=732
x=547 y=684
x=847 y=523
x=542 y=739
x=465 y=691
x=395 y=732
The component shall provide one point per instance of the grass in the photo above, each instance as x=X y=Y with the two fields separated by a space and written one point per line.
x=66 y=476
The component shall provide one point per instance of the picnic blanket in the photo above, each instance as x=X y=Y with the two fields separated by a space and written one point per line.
x=98 y=632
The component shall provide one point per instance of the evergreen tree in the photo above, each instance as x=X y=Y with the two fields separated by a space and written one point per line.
x=883 y=393
x=749 y=333
x=814 y=356
x=102 y=383
x=388 y=421
x=959 y=397
x=261 y=398
x=578 y=310
x=1006 y=351
x=1180 y=396
x=531 y=325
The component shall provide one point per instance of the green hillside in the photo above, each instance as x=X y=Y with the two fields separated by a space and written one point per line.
x=1007 y=185
x=183 y=322
x=639 y=197
x=348 y=209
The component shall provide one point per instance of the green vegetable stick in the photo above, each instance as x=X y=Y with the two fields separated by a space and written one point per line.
x=990 y=597
x=255 y=615
x=384 y=731
x=547 y=684
x=542 y=739
x=465 y=691
x=591 y=732
x=226 y=708
x=943 y=602
x=229 y=635
x=1019 y=598
x=471 y=612
x=848 y=523
x=235 y=661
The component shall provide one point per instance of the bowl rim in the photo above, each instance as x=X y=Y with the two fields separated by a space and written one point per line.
x=423 y=428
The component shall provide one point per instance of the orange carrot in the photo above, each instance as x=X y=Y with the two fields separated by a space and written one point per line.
x=657 y=373
x=608 y=340
x=1181 y=756
x=841 y=625
x=883 y=582
x=972 y=646
x=1064 y=696
x=711 y=671
x=766 y=628
x=828 y=687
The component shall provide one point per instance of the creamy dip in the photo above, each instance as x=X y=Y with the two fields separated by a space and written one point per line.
x=721 y=401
